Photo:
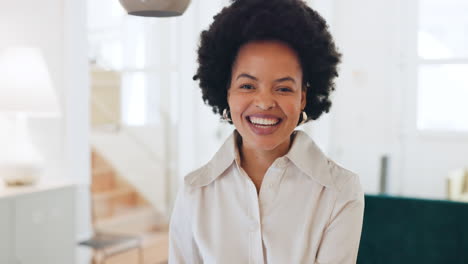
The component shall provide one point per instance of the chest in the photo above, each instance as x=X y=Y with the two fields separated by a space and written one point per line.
x=284 y=222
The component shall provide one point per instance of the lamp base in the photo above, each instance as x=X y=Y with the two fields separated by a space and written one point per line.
x=20 y=174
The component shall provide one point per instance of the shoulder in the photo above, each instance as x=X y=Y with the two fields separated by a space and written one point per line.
x=192 y=188
x=345 y=181
x=311 y=160
x=186 y=191
x=341 y=176
x=189 y=183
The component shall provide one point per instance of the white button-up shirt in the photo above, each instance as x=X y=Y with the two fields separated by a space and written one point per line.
x=308 y=210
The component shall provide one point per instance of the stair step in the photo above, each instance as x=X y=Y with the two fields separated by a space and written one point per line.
x=97 y=161
x=96 y=158
x=113 y=193
x=106 y=181
x=118 y=208
x=111 y=203
x=137 y=221
x=101 y=170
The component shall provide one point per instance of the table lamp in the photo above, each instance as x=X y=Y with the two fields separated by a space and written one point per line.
x=25 y=91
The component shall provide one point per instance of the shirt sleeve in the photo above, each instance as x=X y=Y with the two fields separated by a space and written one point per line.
x=182 y=246
x=340 y=243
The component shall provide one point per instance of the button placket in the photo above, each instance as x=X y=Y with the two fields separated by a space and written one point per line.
x=254 y=222
x=270 y=181
x=271 y=189
x=255 y=228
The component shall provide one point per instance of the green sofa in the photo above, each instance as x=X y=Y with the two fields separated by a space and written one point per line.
x=400 y=230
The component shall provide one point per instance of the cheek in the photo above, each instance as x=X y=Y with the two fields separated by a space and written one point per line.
x=292 y=109
x=293 y=113
x=237 y=104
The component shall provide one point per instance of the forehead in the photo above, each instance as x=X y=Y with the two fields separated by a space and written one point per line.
x=267 y=57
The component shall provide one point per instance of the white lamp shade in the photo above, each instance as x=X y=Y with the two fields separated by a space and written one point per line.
x=25 y=84
x=155 y=8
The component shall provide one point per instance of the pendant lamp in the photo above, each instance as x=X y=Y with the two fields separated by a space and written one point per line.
x=155 y=8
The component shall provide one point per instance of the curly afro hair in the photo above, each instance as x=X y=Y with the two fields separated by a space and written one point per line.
x=289 y=21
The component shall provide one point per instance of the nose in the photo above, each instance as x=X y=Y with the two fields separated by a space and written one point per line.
x=264 y=100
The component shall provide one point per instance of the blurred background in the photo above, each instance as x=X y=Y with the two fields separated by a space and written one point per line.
x=133 y=123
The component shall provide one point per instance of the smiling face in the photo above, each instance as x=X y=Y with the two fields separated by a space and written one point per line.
x=265 y=95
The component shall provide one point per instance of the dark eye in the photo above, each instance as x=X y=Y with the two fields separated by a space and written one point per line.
x=284 y=89
x=247 y=86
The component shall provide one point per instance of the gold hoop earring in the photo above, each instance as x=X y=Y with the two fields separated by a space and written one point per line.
x=304 y=118
x=226 y=115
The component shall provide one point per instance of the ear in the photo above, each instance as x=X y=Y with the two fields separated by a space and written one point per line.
x=303 y=97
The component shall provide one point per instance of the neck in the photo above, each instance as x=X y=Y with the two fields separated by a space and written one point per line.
x=254 y=157
x=256 y=162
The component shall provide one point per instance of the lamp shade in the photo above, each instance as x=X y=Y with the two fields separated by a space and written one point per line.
x=25 y=84
x=155 y=8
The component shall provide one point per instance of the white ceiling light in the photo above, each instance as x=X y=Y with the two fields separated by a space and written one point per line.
x=155 y=8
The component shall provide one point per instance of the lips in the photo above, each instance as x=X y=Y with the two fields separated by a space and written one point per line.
x=263 y=124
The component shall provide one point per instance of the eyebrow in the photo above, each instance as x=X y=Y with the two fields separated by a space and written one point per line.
x=245 y=75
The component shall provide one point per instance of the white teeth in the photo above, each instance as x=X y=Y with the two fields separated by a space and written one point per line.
x=263 y=121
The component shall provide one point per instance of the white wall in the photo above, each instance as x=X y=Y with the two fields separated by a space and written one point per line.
x=363 y=126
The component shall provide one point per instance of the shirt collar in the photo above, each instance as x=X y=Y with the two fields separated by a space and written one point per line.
x=304 y=153
x=308 y=157
x=220 y=162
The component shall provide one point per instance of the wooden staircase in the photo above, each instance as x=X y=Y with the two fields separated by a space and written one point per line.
x=118 y=208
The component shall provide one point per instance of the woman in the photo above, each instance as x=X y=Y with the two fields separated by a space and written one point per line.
x=269 y=195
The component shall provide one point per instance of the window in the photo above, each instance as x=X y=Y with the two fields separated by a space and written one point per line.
x=443 y=66
x=144 y=51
